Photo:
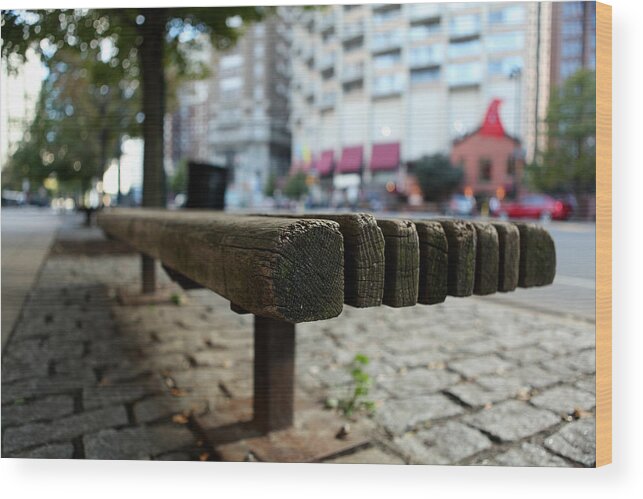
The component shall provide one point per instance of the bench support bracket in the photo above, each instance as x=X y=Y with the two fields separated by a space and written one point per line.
x=274 y=374
x=148 y=274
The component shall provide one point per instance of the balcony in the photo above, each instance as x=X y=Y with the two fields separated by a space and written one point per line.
x=424 y=11
x=327 y=62
x=386 y=42
x=352 y=31
x=353 y=72
x=328 y=100
x=327 y=23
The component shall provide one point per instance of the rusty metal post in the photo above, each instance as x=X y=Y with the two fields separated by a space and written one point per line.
x=274 y=374
x=148 y=274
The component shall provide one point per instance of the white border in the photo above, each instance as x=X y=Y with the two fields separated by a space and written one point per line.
x=98 y=479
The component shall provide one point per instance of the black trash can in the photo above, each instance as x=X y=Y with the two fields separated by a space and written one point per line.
x=206 y=186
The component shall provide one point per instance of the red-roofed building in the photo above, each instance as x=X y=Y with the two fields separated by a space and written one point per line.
x=492 y=160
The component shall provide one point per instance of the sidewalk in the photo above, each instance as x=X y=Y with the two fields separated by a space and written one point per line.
x=466 y=382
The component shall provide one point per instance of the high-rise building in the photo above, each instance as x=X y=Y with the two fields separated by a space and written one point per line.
x=376 y=87
x=573 y=39
x=20 y=91
x=238 y=116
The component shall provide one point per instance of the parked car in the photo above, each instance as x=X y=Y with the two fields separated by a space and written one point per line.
x=538 y=206
x=461 y=205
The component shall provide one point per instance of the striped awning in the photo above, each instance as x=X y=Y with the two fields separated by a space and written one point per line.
x=385 y=157
x=324 y=165
x=351 y=160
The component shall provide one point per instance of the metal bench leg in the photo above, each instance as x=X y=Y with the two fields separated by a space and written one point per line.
x=148 y=274
x=274 y=374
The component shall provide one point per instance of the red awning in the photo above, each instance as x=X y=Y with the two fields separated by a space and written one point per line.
x=385 y=156
x=325 y=164
x=351 y=160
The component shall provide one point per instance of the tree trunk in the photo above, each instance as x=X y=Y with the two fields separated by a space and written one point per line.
x=153 y=79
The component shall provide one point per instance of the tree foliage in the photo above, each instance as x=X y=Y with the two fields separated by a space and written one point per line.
x=139 y=43
x=437 y=177
x=296 y=186
x=569 y=162
x=84 y=109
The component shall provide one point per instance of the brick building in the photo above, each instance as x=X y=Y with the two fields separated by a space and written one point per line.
x=492 y=159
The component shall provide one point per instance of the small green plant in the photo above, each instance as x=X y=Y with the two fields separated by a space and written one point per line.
x=176 y=299
x=361 y=384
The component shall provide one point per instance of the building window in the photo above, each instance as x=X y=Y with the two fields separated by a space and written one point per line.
x=572 y=9
x=424 y=30
x=504 y=42
x=511 y=165
x=485 y=169
x=426 y=56
x=388 y=84
x=231 y=61
x=514 y=14
x=387 y=60
x=387 y=40
x=353 y=45
x=569 y=67
x=469 y=73
x=233 y=83
x=425 y=75
x=572 y=28
x=384 y=15
x=464 y=25
x=572 y=48
x=504 y=66
x=259 y=49
x=464 y=49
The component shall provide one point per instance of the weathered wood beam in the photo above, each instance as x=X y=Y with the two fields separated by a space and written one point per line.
x=402 y=256
x=363 y=256
x=461 y=237
x=434 y=261
x=537 y=256
x=285 y=269
x=487 y=259
x=509 y=255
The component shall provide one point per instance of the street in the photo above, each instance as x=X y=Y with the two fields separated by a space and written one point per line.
x=573 y=291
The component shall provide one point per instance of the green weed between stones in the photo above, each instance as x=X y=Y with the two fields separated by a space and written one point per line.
x=357 y=402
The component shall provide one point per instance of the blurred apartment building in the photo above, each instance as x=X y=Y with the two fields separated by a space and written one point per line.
x=238 y=116
x=573 y=39
x=376 y=87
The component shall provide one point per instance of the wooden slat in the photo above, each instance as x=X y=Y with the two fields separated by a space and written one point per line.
x=285 y=269
x=487 y=259
x=461 y=237
x=402 y=255
x=537 y=256
x=509 y=255
x=434 y=260
x=363 y=257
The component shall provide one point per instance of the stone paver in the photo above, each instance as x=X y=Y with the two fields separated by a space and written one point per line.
x=575 y=441
x=564 y=400
x=48 y=451
x=42 y=409
x=419 y=382
x=398 y=416
x=466 y=381
x=142 y=442
x=526 y=455
x=29 y=435
x=372 y=455
x=444 y=444
x=512 y=420
x=482 y=364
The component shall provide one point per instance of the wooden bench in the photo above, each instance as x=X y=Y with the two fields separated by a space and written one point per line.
x=291 y=269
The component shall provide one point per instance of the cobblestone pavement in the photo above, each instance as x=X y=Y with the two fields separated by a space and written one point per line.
x=469 y=382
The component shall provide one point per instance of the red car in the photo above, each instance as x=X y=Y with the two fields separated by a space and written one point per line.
x=539 y=206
